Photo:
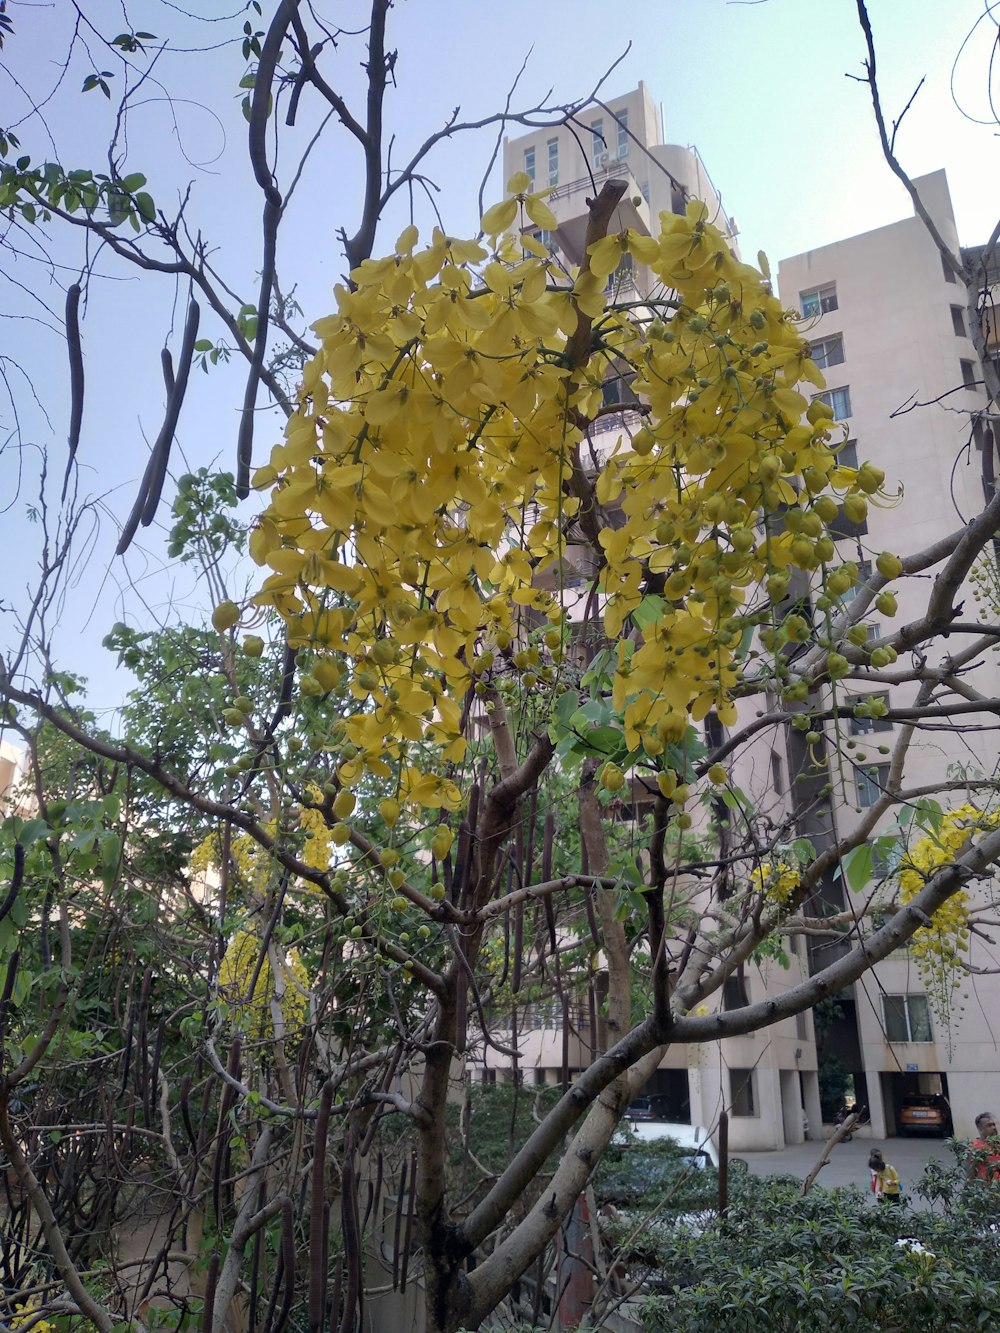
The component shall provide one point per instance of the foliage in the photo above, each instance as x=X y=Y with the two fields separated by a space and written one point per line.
x=428 y=476
x=657 y=1177
x=470 y=747
x=834 y=1260
x=939 y=948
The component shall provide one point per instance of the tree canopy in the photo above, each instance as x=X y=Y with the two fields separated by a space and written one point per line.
x=464 y=737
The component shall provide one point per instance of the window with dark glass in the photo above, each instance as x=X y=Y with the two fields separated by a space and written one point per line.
x=741 y=1092
x=623 y=132
x=958 y=320
x=553 y=153
x=906 y=1018
x=839 y=400
x=598 y=148
x=864 y=726
x=968 y=374
x=870 y=783
x=820 y=301
x=734 y=992
x=828 y=351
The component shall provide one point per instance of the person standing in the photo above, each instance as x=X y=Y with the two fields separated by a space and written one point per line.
x=884 y=1179
x=983 y=1161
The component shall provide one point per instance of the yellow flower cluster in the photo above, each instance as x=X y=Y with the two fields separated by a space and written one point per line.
x=25 y=1311
x=938 y=948
x=431 y=484
x=251 y=863
x=252 y=1010
x=777 y=880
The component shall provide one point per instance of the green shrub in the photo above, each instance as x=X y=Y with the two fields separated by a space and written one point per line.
x=829 y=1261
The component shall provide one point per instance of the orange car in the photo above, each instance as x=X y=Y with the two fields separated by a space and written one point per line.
x=928 y=1113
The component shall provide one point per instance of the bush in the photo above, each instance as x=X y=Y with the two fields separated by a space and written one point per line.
x=827 y=1261
x=646 y=1176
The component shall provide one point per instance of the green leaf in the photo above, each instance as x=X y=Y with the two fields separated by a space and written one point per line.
x=35 y=830
x=118 y=207
x=649 y=610
x=602 y=741
x=134 y=182
x=857 y=867
x=803 y=851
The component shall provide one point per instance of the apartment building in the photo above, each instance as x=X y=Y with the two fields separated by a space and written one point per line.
x=889 y=325
x=11 y=772
x=768 y=1081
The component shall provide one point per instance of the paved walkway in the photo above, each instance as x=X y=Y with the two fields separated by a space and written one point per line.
x=848 y=1163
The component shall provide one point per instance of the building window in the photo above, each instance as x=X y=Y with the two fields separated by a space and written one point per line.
x=734 y=995
x=843 y=528
x=847 y=454
x=839 y=400
x=623 y=132
x=906 y=1018
x=623 y=278
x=828 y=351
x=553 y=147
x=864 y=726
x=819 y=302
x=949 y=272
x=969 y=374
x=958 y=320
x=546 y=238
x=864 y=574
x=777 y=781
x=616 y=390
x=598 y=148
x=529 y=164
x=678 y=199
x=741 y=1092
x=870 y=783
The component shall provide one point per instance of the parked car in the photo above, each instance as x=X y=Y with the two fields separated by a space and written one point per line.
x=924 y=1113
x=694 y=1140
x=650 y=1107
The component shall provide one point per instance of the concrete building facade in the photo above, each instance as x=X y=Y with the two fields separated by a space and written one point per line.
x=888 y=322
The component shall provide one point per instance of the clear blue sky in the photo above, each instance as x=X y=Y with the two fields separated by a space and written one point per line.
x=760 y=88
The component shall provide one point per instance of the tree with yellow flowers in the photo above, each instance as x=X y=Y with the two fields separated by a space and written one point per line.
x=475 y=740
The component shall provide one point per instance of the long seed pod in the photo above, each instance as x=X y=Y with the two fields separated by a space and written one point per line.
x=288 y=1257
x=75 y=349
x=352 y=1243
x=16 y=880
x=185 y=1100
x=276 y=1287
x=129 y=1029
x=142 y=1067
x=8 y=988
x=398 y=1226
x=256 y=1260
x=374 y=1192
x=317 y=1251
x=154 y=1068
x=151 y=486
x=410 y=1205
x=338 y=1283
x=211 y=1279
x=221 y=1147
